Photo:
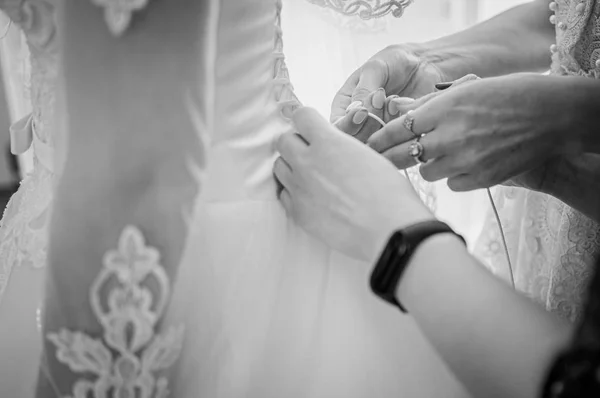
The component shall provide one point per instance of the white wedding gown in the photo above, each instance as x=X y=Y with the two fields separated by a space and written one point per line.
x=268 y=310
x=23 y=230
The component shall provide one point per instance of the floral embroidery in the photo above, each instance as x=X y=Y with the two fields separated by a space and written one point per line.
x=125 y=360
x=117 y=13
x=366 y=9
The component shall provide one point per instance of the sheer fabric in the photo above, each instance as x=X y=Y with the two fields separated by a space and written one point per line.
x=268 y=310
x=29 y=68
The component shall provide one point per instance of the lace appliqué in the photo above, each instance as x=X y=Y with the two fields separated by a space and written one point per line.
x=125 y=360
x=365 y=9
x=118 y=13
x=283 y=88
x=23 y=228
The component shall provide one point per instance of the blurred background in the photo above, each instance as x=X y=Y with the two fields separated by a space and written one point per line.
x=322 y=49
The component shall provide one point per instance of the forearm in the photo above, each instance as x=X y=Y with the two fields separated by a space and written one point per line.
x=574 y=176
x=498 y=343
x=576 y=182
x=517 y=40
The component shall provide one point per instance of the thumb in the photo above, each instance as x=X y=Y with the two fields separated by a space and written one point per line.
x=373 y=76
x=310 y=125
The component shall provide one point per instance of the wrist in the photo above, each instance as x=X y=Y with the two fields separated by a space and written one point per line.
x=451 y=62
x=394 y=222
x=583 y=115
x=423 y=264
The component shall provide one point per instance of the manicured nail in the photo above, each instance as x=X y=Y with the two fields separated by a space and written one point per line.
x=397 y=104
x=403 y=101
x=353 y=105
x=360 y=116
x=378 y=99
x=393 y=108
x=444 y=85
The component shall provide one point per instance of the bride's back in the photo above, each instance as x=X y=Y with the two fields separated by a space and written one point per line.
x=176 y=115
x=247 y=116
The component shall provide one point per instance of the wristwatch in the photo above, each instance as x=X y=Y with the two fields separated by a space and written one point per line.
x=397 y=253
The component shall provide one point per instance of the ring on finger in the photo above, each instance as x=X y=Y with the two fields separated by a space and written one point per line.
x=409 y=123
x=416 y=149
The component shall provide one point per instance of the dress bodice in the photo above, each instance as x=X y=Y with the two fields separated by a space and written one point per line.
x=252 y=99
x=577 y=49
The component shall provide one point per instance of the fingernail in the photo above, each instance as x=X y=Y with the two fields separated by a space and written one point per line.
x=378 y=99
x=393 y=108
x=402 y=101
x=397 y=104
x=353 y=105
x=371 y=144
x=360 y=116
x=444 y=85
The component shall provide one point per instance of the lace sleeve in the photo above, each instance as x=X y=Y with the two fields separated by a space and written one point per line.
x=365 y=9
x=137 y=109
x=35 y=18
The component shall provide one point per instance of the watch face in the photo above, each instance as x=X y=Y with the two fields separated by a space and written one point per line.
x=399 y=244
x=401 y=248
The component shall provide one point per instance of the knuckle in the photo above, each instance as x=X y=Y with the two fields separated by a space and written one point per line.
x=427 y=173
x=375 y=65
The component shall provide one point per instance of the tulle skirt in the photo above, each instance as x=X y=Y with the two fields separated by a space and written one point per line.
x=271 y=312
x=23 y=244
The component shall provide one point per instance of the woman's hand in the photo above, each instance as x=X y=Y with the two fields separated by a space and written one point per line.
x=395 y=71
x=340 y=190
x=482 y=133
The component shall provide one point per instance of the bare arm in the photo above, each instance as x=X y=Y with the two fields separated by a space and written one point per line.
x=498 y=343
x=136 y=107
x=573 y=177
x=576 y=182
x=517 y=40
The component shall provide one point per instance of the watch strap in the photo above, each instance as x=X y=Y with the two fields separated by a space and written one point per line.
x=397 y=254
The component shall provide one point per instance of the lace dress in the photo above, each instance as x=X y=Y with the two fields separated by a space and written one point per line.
x=552 y=246
x=23 y=228
x=24 y=225
x=576 y=372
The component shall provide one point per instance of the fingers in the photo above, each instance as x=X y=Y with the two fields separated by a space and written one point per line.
x=311 y=126
x=374 y=103
x=397 y=106
x=364 y=81
x=373 y=75
x=463 y=183
x=286 y=200
x=395 y=133
x=357 y=122
x=290 y=146
x=283 y=174
x=343 y=98
x=465 y=79
x=440 y=168
x=353 y=121
x=400 y=156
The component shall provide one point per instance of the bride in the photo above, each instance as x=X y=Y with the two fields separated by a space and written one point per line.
x=172 y=266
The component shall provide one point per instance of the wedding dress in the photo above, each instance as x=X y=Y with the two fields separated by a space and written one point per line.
x=552 y=246
x=24 y=225
x=257 y=308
